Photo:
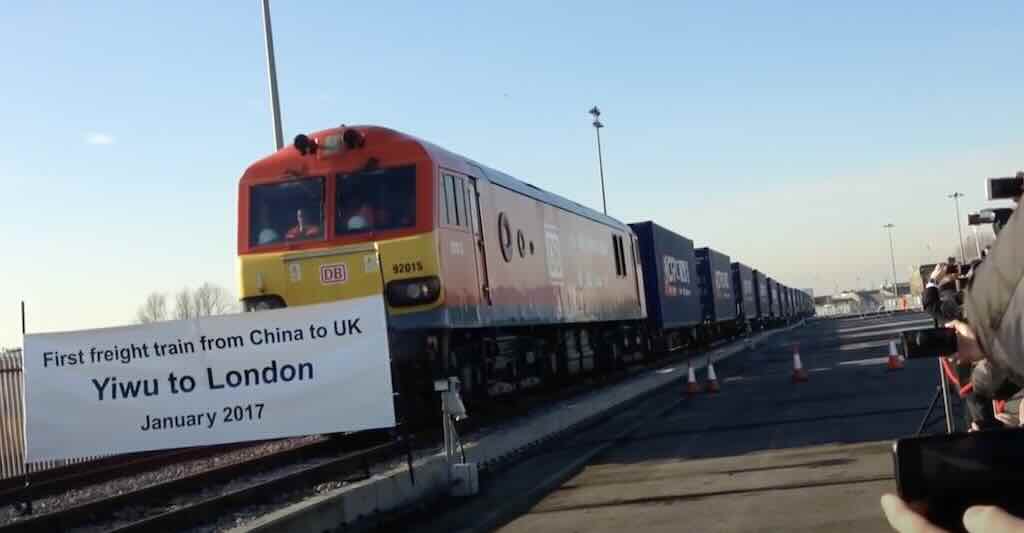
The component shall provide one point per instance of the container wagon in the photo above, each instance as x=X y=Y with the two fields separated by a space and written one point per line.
x=714 y=276
x=775 y=313
x=746 y=301
x=761 y=299
x=670 y=286
x=784 y=309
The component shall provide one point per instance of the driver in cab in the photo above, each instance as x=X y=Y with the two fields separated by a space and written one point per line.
x=302 y=229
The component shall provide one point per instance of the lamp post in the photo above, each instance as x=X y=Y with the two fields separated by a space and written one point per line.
x=600 y=163
x=977 y=242
x=275 y=106
x=892 y=260
x=956 y=199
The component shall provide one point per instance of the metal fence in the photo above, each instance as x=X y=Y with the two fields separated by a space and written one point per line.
x=12 y=432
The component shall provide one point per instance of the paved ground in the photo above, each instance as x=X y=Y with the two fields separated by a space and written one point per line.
x=763 y=455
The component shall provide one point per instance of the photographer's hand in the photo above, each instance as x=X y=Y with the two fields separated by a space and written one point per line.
x=941 y=276
x=977 y=519
x=989 y=519
x=904 y=519
x=968 y=348
x=938 y=273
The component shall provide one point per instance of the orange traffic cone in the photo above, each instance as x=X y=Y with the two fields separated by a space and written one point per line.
x=799 y=374
x=691 y=384
x=712 y=378
x=895 y=361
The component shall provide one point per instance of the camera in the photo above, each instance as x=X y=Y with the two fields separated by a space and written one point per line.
x=931 y=342
x=1006 y=188
x=949 y=473
x=996 y=216
x=947 y=302
x=962 y=272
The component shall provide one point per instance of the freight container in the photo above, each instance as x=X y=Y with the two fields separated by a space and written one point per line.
x=714 y=276
x=780 y=311
x=670 y=277
x=743 y=288
x=761 y=294
x=773 y=299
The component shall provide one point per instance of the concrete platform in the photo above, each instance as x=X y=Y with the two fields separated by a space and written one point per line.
x=389 y=488
x=832 y=488
x=763 y=455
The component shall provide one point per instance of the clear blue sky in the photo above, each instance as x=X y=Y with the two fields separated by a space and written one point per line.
x=784 y=133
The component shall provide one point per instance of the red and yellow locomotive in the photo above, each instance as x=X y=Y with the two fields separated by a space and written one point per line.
x=485 y=276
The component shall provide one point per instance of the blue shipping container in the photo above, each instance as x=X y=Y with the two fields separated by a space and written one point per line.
x=670 y=284
x=714 y=275
x=761 y=294
x=773 y=298
x=743 y=288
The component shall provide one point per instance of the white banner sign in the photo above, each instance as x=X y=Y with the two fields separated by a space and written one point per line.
x=295 y=371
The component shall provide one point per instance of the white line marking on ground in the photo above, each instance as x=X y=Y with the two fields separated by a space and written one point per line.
x=866 y=362
x=862 y=345
x=883 y=325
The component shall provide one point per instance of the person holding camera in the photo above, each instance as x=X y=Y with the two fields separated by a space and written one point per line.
x=941 y=297
x=992 y=335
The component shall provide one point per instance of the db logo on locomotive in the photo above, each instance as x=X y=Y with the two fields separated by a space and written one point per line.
x=333 y=274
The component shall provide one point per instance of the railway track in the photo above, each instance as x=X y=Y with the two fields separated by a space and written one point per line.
x=209 y=509
x=208 y=494
x=13 y=491
x=106 y=508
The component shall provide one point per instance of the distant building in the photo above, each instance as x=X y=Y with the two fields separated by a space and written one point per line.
x=857 y=302
x=900 y=299
x=845 y=303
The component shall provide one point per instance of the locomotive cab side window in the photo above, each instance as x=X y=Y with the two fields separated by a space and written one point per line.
x=376 y=200
x=286 y=211
x=620 y=258
x=460 y=198
x=446 y=200
x=460 y=201
x=471 y=207
x=450 y=194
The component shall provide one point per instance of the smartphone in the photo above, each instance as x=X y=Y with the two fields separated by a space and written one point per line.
x=946 y=474
x=931 y=342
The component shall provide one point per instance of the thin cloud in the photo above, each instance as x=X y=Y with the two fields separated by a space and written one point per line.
x=99 y=138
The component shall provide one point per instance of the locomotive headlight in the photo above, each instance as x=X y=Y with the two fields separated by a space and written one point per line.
x=262 y=303
x=415 y=291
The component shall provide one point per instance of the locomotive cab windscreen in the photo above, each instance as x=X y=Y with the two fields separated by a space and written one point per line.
x=325 y=221
x=365 y=202
x=287 y=211
x=383 y=199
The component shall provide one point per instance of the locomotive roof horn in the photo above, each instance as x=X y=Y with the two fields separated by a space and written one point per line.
x=304 y=144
